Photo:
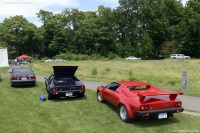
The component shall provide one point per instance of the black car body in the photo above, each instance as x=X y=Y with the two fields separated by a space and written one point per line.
x=22 y=76
x=63 y=83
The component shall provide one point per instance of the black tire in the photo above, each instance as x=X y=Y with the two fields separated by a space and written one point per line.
x=11 y=85
x=50 y=97
x=81 y=95
x=123 y=114
x=173 y=58
x=99 y=97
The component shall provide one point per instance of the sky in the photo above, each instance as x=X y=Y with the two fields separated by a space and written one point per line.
x=29 y=8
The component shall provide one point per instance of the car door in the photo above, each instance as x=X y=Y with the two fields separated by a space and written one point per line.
x=110 y=94
x=114 y=95
x=107 y=93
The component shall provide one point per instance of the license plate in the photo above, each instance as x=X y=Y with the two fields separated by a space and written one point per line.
x=162 y=115
x=68 y=94
x=24 y=78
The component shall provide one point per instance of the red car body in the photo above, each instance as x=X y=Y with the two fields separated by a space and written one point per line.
x=139 y=100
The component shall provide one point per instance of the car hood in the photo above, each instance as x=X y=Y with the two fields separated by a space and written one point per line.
x=64 y=71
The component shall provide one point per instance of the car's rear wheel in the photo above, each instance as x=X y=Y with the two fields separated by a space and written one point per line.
x=99 y=97
x=123 y=113
x=81 y=95
x=50 y=97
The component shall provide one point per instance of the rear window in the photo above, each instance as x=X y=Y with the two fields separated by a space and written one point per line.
x=139 y=87
x=23 y=70
x=68 y=79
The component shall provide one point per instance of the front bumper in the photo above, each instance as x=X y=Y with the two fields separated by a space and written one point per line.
x=154 y=113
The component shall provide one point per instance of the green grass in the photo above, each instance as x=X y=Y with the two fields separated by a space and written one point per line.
x=165 y=74
x=23 y=112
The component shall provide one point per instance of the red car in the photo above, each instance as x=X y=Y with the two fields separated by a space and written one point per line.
x=139 y=100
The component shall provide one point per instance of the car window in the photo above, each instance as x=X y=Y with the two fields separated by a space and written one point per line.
x=65 y=79
x=113 y=86
x=139 y=87
x=22 y=70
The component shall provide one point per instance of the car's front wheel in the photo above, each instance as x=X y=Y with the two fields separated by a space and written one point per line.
x=123 y=113
x=99 y=97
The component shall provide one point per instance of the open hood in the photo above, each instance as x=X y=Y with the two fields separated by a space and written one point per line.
x=64 y=71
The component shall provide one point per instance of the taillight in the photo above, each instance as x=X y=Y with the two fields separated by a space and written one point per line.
x=144 y=107
x=81 y=87
x=54 y=90
x=32 y=77
x=14 y=77
x=177 y=104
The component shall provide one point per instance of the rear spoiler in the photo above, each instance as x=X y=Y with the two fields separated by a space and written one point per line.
x=172 y=95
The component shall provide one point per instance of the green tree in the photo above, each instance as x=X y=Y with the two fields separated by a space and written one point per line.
x=153 y=19
x=189 y=30
x=19 y=36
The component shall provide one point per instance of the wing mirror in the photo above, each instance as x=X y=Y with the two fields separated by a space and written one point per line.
x=102 y=86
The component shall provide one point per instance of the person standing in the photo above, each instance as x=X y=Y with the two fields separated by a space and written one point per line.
x=15 y=61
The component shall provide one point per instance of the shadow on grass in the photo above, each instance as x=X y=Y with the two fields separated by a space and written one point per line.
x=24 y=86
x=146 y=123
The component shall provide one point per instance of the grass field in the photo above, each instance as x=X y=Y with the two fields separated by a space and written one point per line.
x=165 y=74
x=23 y=112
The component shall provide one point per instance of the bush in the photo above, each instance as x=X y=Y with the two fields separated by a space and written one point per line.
x=112 y=56
x=96 y=57
x=80 y=57
x=94 y=71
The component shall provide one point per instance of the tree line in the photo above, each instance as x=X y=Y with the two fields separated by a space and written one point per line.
x=144 y=28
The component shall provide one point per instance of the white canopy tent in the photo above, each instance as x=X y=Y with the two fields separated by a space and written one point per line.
x=3 y=57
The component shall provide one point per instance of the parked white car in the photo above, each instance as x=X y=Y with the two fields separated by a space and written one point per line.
x=59 y=60
x=133 y=58
x=49 y=60
x=179 y=56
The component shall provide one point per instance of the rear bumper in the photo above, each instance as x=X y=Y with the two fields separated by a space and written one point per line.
x=154 y=113
x=22 y=82
x=64 y=93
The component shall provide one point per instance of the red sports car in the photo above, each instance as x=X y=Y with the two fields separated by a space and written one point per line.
x=139 y=100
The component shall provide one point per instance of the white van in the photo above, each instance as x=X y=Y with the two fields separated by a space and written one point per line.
x=179 y=56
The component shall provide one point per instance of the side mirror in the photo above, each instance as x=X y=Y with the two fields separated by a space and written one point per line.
x=102 y=86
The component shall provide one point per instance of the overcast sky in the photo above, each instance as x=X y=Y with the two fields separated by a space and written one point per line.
x=29 y=8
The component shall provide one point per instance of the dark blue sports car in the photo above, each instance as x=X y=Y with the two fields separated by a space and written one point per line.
x=63 y=83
